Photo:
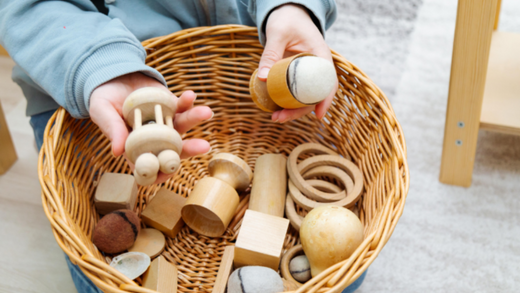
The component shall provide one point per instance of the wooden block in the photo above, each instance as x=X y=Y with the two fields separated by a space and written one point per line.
x=7 y=151
x=161 y=276
x=150 y=242
x=114 y=192
x=164 y=212
x=260 y=240
x=226 y=266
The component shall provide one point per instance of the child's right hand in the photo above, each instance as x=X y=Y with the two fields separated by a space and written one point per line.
x=106 y=104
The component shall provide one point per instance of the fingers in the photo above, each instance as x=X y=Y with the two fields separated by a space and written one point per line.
x=273 y=52
x=193 y=147
x=291 y=114
x=185 y=101
x=190 y=118
x=111 y=124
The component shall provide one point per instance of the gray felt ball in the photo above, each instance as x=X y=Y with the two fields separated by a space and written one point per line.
x=300 y=268
x=311 y=79
x=255 y=279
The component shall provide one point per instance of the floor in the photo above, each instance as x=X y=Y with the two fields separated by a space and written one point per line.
x=449 y=239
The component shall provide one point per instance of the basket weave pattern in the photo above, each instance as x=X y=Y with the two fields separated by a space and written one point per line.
x=216 y=62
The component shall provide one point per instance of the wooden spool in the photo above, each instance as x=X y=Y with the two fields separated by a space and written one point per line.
x=214 y=200
x=269 y=185
x=153 y=144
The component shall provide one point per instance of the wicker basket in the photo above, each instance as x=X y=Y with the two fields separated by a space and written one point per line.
x=216 y=62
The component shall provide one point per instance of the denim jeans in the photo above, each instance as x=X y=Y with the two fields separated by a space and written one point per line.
x=84 y=284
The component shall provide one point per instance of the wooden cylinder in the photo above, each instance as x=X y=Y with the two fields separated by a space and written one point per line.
x=269 y=185
x=210 y=207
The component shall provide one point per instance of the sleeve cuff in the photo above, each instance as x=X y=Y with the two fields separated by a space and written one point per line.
x=323 y=13
x=105 y=62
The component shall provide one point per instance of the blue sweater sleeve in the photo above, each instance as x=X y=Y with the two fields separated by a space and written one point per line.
x=68 y=48
x=324 y=12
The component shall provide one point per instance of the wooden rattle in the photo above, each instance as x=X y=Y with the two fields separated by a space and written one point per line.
x=153 y=144
x=214 y=200
x=295 y=82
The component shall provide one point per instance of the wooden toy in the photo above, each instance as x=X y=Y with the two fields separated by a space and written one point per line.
x=297 y=184
x=300 y=268
x=290 y=285
x=164 y=212
x=131 y=264
x=290 y=211
x=116 y=231
x=214 y=200
x=332 y=172
x=329 y=234
x=255 y=279
x=295 y=82
x=260 y=240
x=149 y=241
x=7 y=149
x=161 y=276
x=269 y=185
x=153 y=144
x=286 y=259
x=115 y=191
x=226 y=266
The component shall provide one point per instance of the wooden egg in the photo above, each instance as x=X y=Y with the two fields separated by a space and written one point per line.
x=311 y=79
x=255 y=279
x=329 y=234
x=116 y=231
x=300 y=268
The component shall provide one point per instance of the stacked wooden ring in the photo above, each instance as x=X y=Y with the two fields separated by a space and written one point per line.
x=310 y=193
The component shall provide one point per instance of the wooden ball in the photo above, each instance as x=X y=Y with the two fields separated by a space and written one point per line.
x=169 y=161
x=311 y=79
x=116 y=231
x=147 y=165
x=300 y=268
x=255 y=279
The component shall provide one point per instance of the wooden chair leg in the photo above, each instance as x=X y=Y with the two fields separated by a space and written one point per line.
x=474 y=27
x=7 y=151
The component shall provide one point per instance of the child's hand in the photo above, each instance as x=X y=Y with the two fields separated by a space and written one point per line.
x=106 y=104
x=290 y=30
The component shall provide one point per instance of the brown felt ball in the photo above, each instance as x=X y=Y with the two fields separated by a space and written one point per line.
x=116 y=231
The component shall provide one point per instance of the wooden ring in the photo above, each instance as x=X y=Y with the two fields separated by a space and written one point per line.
x=346 y=165
x=290 y=211
x=332 y=172
x=286 y=259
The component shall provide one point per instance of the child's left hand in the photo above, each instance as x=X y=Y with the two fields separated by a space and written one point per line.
x=290 y=30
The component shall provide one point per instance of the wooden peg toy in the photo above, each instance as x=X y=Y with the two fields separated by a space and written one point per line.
x=164 y=212
x=260 y=240
x=161 y=276
x=269 y=185
x=115 y=191
x=295 y=82
x=214 y=200
x=226 y=266
x=153 y=144
x=149 y=241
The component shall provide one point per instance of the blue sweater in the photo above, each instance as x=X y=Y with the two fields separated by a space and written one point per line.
x=65 y=49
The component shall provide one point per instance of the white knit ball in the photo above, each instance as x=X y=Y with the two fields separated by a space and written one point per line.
x=255 y=279
x=311 y=79
x=300 y=268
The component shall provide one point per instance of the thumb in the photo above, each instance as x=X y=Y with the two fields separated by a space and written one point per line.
x=273 y=52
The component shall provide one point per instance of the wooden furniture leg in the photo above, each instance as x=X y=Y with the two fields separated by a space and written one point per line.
x=474 y=26
x=7 y=151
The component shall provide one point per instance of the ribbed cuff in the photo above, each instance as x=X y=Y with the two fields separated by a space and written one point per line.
x=103 y=64
x=323 y=13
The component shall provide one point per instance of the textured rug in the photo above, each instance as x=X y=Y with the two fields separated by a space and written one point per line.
x=449 y=239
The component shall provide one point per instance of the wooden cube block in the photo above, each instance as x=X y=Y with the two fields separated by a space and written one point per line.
x=260 y=240
x=164 y=212
x=161 y=276
x=114 y=192
x=226 y=266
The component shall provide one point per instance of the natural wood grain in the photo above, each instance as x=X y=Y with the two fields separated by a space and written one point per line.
x=161 y=276
x=501 y=106
x=475 y=19
x=269 y=185
x=260 y=240
x=7 y=151
x=286 y=260
x=226 y=266
x=164 y=212
x=149 y=241
x=115 y=191
x=497 y=14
